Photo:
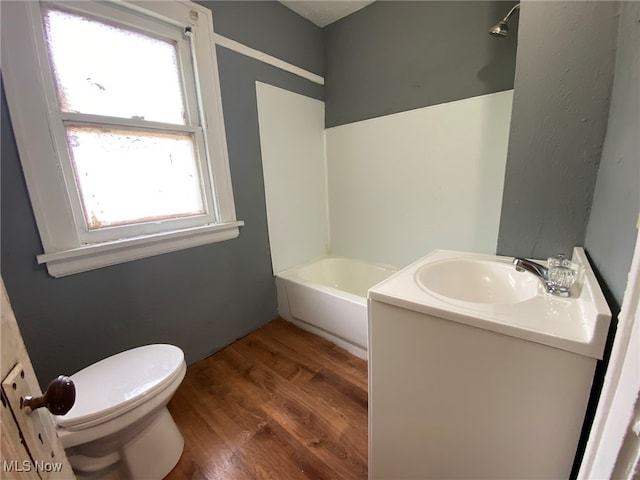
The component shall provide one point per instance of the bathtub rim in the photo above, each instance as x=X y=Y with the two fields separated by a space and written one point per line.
x=290 y=274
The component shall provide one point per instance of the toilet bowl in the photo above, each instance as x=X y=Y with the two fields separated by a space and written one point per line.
x=119 y=426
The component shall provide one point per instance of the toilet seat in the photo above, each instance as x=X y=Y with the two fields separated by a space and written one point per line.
x=112 y=387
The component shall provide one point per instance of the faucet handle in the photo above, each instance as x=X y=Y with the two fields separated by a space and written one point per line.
x=562 y=275
x=560 y=260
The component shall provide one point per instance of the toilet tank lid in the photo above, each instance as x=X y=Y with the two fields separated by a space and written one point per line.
x=121 y=381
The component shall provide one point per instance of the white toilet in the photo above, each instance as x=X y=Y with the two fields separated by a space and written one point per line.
x=119 y=426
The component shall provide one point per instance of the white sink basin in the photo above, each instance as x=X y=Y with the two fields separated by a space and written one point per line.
x=486 y=291
x=477 y=281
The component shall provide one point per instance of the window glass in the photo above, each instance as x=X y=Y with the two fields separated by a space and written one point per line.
x=107 y=70
x=127 y=177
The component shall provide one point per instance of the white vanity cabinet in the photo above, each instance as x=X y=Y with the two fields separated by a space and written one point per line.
x=456 y=390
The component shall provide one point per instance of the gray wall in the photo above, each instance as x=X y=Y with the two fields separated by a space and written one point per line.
x=564 y=71
x=611 y=231
x=199 y=299
x=396 y=56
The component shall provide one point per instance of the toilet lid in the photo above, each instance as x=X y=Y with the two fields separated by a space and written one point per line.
x=118 y=383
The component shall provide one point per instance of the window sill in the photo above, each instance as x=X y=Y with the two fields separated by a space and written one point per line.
x=90 y=257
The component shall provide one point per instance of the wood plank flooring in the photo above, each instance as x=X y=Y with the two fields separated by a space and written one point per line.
x=280 y=403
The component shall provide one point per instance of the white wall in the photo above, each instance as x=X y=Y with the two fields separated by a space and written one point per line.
x=293 y=163
x=399 y=186
x=405 y=184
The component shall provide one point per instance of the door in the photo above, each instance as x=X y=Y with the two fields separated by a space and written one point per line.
x=30 y=447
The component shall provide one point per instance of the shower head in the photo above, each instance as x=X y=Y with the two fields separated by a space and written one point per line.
x=501 y=29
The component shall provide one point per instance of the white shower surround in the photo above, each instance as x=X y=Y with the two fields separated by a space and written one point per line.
x=405 y=184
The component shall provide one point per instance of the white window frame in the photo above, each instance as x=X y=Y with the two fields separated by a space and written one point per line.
x=38 y=126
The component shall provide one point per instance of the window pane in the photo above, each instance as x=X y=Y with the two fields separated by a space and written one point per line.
x=129 y=177
x=108 y=70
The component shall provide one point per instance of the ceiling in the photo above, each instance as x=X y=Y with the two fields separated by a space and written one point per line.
x=323 y=12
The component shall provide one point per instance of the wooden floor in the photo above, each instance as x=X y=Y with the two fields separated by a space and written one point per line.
x=278 y=404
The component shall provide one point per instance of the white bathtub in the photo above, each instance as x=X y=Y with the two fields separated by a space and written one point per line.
x=329 y=298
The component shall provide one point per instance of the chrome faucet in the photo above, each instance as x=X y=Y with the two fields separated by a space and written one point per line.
x=538 y=270
x=559 y=285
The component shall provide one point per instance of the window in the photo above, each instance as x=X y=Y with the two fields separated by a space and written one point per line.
x=117 y=115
